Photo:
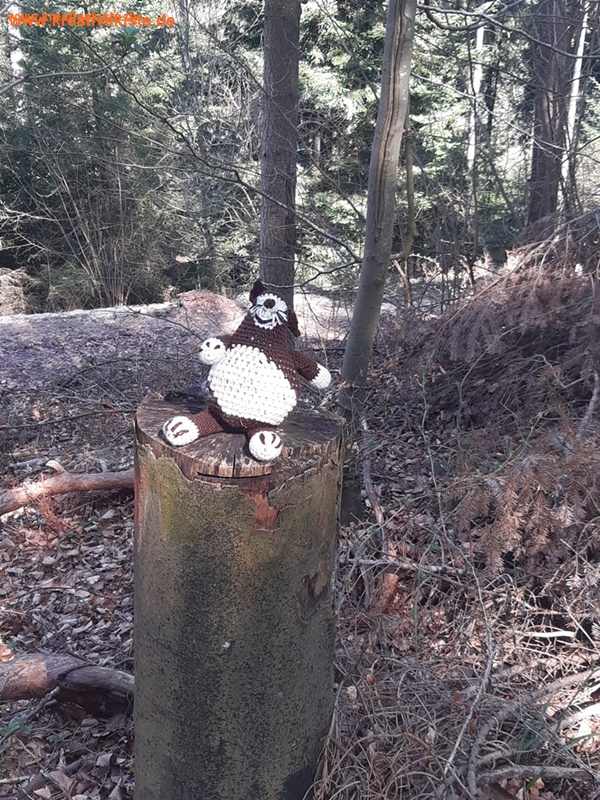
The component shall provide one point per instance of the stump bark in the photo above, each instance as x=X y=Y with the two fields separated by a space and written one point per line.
x=234 y=622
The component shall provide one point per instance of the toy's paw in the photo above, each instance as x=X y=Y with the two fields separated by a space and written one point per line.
x=265 y=445
x=212 y=351
x=322 y=379
x=180 y=430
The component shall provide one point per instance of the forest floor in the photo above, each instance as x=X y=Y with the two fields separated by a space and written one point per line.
x=467 y=662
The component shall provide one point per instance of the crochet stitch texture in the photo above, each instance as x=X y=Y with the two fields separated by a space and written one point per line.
x=254 y=378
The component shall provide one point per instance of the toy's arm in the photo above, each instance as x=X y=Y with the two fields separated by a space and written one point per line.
x=317 y=375
x=213 y=350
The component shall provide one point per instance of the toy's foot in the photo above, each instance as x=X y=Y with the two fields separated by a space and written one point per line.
x=265 y=445
x=180 y=430
x=322 y=379
x=212 y=351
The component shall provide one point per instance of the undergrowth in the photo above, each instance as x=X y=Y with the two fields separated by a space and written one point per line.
x=469 y=627
x=511 y=372
x=468 y=648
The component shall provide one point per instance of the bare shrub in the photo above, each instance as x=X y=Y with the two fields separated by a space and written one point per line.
x=534 y=508
x=513 y=370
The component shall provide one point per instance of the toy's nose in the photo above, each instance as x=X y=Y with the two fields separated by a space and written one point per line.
x=269 y=303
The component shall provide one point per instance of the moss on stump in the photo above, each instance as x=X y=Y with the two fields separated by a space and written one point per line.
x=234 y=624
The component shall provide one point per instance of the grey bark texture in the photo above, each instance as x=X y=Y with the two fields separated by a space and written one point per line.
x=550 y=111
x=234 y=622
x=381 y=210
x=381 y=194
x=279 y=148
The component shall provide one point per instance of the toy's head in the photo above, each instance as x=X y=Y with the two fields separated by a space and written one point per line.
x=268 y=310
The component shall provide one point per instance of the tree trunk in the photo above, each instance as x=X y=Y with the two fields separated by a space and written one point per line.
x=381 y=209
x=476 y=70
x=550 y=108
x=381 y=192
x=279 y=145
x=234 y=629
x=576 y=98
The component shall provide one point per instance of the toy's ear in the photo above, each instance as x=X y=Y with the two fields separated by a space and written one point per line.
x=257 y=290
x=293 y=323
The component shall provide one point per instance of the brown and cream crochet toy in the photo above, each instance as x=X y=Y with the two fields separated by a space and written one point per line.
x=253 y=379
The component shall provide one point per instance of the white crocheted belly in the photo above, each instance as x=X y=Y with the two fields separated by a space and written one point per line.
x=247 y=384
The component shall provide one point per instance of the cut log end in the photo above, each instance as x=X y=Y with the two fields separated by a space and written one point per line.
x=308 y=436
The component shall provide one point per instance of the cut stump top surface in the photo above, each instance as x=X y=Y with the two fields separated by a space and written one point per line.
x=308 y=436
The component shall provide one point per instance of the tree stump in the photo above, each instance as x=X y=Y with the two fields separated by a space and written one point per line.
x=234 y=621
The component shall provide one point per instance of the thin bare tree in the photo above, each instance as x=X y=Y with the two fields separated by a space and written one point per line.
x=279 y=148
x=381 y=192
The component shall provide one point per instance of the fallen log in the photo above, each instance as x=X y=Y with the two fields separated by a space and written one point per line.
x=64 y=482
x=31 y=676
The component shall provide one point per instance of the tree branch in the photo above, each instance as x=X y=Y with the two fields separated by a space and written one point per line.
x=68 y=74
x=536 y=771
x=12 y=499
x=35 y=675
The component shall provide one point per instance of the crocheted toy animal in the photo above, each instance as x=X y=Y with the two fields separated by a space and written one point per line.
x=253 y=379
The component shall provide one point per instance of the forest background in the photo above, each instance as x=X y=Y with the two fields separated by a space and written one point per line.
x=469 y=634
x=131 y=156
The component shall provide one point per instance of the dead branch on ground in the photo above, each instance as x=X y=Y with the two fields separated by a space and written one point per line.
x=514 y=705
x=543 y=771
x=65 y=482
x=42 y=778
x=35 y=675
x=388 y=582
